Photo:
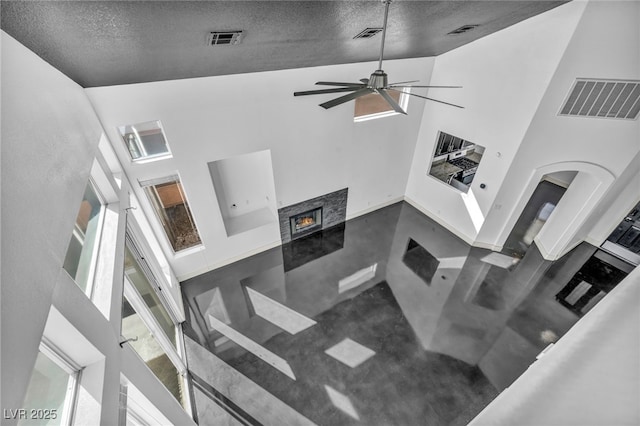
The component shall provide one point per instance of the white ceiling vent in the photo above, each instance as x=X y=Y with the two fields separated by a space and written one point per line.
x=603 y=99
x=463 y=29
x=368 y=33
x=216 y=38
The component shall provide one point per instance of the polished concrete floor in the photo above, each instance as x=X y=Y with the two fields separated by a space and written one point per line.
x=388 y=319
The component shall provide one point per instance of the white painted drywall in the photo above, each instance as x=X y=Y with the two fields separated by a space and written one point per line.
x=591 y=376
x=623 y=197
x=50 y=137
x=504 y=77
x=313 y=151
x=246 y=182
x=605 y=44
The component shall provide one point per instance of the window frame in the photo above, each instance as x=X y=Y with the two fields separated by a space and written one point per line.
x=175 y=177
x=131 y=290
x=55 y=355
x=139 y=143
x=176 y=354
x=403 y=101
x=93 y=262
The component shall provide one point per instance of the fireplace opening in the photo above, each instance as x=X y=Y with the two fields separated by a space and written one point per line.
x=306 y=222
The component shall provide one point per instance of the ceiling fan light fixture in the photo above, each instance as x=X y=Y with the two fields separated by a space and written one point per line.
x=378 y=80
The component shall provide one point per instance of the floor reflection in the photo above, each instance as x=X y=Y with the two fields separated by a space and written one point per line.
x=387 y=319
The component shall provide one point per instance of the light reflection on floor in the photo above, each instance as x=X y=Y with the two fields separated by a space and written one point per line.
x=450 y=325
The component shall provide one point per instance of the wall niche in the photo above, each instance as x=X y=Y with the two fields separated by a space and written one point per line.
x=245 y=191
x=455 y=161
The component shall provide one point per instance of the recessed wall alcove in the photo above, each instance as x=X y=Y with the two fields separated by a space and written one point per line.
x=245 y=191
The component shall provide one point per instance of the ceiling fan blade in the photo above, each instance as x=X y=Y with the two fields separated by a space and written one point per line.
x=425 y=87
x=346 y=98
x=365 y=80
x=403 y=82
x=391 y=101
x=431 y=99
x=335 y=83
x=320 y=92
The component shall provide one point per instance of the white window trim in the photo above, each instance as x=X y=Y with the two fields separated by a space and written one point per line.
x=158 y=278
x=404 y=104
x=141 y=308
x=58 y=357
x=177 y=353
x=157 y=225
x=145 y=158
x=144 y=411
x=93 y=262
x=98 y=241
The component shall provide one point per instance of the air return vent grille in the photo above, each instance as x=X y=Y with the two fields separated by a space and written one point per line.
x=224 y=37
x=368 y=33
x=603 y=98
x=463 y=29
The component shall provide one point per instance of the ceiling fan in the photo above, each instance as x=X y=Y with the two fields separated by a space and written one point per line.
x=376 y=83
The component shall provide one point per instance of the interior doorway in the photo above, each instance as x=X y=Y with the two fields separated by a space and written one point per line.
x=535 y=214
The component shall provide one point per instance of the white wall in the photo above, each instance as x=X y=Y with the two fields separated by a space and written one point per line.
x=50 y=137
x=46 y=121
x=589 y=377
x=313 y=151
x=504 y=77
x=611 y=144
x=234 y=181
x=624 y=195
x=514 y=83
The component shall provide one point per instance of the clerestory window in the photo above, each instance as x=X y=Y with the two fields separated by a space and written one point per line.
x=145 y=141
x=80 y=260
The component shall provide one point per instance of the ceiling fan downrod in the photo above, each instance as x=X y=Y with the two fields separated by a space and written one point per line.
x=384 y=31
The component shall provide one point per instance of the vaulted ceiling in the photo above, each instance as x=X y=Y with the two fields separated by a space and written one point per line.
x=103 y=43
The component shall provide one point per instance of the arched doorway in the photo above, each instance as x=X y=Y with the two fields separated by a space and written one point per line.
x=537 y=211
x=561 y=231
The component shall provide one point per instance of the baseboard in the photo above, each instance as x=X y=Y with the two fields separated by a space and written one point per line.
x=440 y=221
x=230 y=260
x=274 y=244
x=374 y=208
x=413 y=203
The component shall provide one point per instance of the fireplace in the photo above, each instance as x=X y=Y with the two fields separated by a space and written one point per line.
x=315 y=214
x=306 y=222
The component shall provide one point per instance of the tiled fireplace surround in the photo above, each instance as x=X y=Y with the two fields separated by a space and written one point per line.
x=334 y=211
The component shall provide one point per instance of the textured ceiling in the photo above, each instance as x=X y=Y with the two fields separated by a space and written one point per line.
x=102 y=43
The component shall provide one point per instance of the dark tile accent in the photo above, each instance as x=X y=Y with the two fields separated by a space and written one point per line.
x=334 y=211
